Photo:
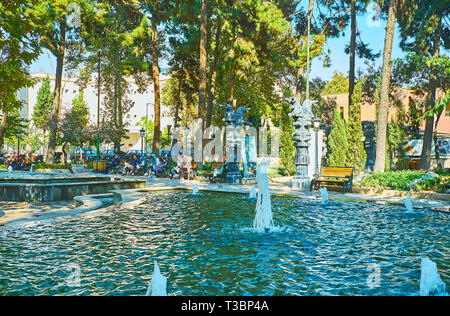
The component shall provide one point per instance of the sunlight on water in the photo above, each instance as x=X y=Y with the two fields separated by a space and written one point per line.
x=205 y=245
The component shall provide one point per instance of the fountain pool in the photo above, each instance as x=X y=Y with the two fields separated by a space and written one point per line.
x=206 y=245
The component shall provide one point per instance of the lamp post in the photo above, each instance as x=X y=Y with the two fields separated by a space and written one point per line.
x=146 y=125
x=18 y=143
x=316 y=124
x=142 y=132
x=98 y=106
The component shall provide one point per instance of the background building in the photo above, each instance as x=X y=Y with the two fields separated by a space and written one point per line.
x=143 y=105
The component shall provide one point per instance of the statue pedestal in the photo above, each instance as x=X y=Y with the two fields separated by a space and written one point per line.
x=234 y=175
x=301 y=184
x=234 y=178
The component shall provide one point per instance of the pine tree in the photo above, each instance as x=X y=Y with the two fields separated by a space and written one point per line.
x=356 y=154
x=337 y=141
x=43 y=108
x=287 y=149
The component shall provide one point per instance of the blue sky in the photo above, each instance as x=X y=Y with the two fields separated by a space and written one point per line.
x=371 y=32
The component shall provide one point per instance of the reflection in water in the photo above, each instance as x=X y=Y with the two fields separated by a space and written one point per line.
x=206 y=246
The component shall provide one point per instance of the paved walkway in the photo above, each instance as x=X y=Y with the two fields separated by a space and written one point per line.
x=17 y=210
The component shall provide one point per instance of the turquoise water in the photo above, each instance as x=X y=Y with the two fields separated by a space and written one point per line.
x=204 y=245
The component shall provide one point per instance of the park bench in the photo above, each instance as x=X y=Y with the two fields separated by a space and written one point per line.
x=335 y=175
x=208 y=174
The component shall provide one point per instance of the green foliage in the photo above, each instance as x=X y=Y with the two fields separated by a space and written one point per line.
x=396 y=136
x=287 y=149
x=50 y=166
x=404 y=181
x=395 y=180
x=356 y=154
x=74 y=123
x=18 y=49
x=43 y=108
x=166 y=139
x=337 y=85
x=338 y=142
x=80 y=111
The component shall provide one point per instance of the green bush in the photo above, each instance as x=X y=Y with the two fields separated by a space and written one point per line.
x=395 y=180
x=405 y=180
x=50 y=166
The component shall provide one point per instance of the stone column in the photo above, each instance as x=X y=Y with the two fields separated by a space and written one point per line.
x=302 y=120
x=233 y=121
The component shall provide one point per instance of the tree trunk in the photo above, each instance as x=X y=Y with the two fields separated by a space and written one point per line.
x=425 y=156
x=178 y=106
x=382 y=119
x=2 y=130
x=436 y=146
x=212 y=85
x=203 y=57
x=351 y=72
x=157 y=105
x=231 y=100
x=56 y=112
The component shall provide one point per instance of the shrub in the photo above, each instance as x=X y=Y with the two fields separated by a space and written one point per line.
x=50 y=166
x=395 y=180
x=409 y=180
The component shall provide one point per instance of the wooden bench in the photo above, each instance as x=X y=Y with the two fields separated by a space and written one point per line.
x=209 y=173
x=335 y=175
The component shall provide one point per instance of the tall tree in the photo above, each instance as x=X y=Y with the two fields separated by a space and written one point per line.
x=356 y=154
x=60 y=22
x=352 y=51
x=421 y=31
x=43 y=108
x=203 y=60
x=338 y=142
x=382 y=117
x=159 y=13
x=19 y=34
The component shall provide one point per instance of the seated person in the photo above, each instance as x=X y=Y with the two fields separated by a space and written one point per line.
x=187 y=165
x=142 y=166
x=218 y=172
x=154 y=162
x=161 y=167
x=179 y=168
x=114 y=163
x=27 y=161
x=21 y=163
x=134 y=163
x=10 y=161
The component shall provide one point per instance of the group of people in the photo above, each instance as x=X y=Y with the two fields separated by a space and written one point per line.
x=19 y=162
x=151 y=165
x=185 y=165
x=143 y=164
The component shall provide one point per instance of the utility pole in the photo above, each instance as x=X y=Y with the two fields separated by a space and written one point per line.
x=307 y=45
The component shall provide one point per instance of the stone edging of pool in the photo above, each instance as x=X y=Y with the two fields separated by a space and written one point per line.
x=86 y=203
x=421 y=201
